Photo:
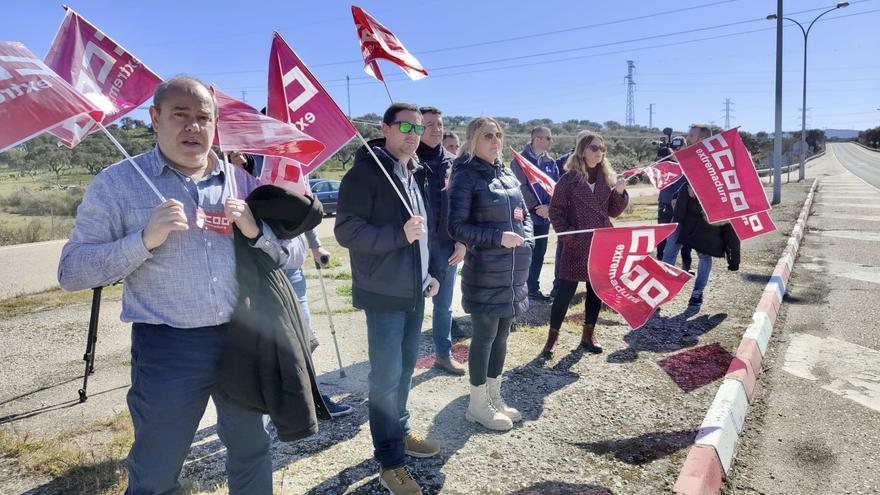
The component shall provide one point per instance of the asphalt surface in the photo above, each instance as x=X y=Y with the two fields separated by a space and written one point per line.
x=29 y=268
x=815 y=424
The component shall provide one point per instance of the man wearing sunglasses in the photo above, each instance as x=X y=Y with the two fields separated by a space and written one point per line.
x=389 y=255
x=538 y=202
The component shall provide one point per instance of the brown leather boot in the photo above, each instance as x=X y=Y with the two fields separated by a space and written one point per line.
x=588 y=340
x=550 y=346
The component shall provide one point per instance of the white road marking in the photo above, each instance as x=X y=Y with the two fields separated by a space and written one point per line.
x=851 y=234
x=843 y=368
x=846 y=205
x=864 y=218
x=845 y=269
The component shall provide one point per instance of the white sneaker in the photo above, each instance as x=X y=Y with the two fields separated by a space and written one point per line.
x=480 y=410
x=493 y=389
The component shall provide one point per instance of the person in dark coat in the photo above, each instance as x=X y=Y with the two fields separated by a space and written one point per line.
x=488 y=214
x=538 y=201
x=381 y=219
x=708 y=240
x=695 y=134
x=445 y=253
x=265 y=363
x=586 y=197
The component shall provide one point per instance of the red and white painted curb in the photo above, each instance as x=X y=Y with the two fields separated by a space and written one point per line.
x=711 y=456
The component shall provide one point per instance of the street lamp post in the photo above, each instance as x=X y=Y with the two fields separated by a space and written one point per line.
x=806 y=33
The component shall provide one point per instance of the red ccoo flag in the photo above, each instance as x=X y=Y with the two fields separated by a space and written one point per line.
x=241 y=127
x=753 y=225
x=296 y=97
x=534 y=174
x=99 y=69
x=34 y=99
x=723 y=177
x=377 y=42
x=663 y=174
x=626 y=277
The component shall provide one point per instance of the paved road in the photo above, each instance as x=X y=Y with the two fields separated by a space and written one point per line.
x=862 y=163
x=816 y=424
x=28 y=268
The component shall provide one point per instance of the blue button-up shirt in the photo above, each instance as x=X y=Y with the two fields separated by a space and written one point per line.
x=188 y=281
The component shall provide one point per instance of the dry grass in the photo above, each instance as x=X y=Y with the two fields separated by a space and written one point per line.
x=86 y=460
x=75 y=463
x=641 y=209
x=52 y=299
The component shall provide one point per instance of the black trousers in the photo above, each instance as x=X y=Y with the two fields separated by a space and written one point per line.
x=567 y=288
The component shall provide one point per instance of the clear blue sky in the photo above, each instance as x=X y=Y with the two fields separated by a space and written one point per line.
x=687 y=76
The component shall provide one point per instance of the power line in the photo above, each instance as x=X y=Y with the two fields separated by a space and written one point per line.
x=568 y=50
x=400 y=77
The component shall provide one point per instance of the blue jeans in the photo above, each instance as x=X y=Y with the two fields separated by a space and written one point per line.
x=534 y=280
x=441 y=316
x=665 y=214
x=393 y=347
x=172 y=375
x=704 y=267
x=298 y=281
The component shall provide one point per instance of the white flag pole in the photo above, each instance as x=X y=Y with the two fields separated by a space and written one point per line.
x=559 y=234
x=390 y=180
x=132 y=162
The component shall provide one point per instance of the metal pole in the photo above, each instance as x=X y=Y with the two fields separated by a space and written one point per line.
x=330 y=317
x=777 y=136
x=91 y=341
x=385 y=84
x=802 y=170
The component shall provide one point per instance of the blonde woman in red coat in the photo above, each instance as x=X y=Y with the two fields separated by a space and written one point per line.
x=586 y=197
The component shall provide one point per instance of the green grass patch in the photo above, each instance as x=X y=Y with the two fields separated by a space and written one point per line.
x=337 y=311
x=52 y=299
x=344 y=290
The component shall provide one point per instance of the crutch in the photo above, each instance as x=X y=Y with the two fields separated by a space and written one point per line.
x=319 y=264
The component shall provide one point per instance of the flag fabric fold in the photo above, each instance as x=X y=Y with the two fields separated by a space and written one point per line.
x=723 y=177
x=378 y=42
x=661 y=175
x=626 y=277
x=99 y=69
x=753 y=225
x=533 y=174
x=241 y=127
x=33 y=98
x=296 y=97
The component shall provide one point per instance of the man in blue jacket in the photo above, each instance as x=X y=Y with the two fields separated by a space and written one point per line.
x=445 y=253
x=388 y=248
x=538 y=202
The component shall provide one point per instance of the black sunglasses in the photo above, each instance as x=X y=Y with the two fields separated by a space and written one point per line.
x=407 y=127
x=595 y=148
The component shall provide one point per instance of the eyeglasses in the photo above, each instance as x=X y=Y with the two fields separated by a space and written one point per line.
x=407 y=127
x=489 y=135
x=595 y=148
